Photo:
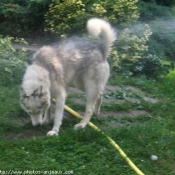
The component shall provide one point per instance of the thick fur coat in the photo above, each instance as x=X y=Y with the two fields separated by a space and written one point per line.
x=71 y=62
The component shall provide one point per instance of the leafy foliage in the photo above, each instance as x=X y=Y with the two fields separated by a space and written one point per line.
x=152 y=11
x=163 y=38
x=165 y=2
x=161 y=22
x=151 y=66
x=12 y=63
x=23 y=16
x=130 y=47
x=65 y=17
x=131 y=54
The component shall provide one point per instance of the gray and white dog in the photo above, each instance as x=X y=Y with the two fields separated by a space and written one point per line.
x=71 y=62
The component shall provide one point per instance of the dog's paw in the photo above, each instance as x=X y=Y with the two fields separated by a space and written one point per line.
x=80 y=126
x=52 y=133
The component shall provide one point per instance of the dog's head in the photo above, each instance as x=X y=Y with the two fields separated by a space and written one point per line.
x=35 y=104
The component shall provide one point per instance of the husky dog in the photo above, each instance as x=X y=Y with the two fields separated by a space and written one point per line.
x=71 y=62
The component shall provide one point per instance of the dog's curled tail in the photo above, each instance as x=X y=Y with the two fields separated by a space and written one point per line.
x=101 y=28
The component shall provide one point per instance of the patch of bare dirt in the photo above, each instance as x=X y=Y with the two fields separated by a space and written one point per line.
x=29 y=133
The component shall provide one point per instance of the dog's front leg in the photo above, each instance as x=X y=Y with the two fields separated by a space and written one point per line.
x=59 y=109
x=47 y=115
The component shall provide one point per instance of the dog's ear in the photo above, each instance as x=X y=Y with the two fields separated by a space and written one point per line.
x=38 y=91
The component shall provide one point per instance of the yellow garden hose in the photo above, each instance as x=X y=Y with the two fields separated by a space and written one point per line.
x=132 y=165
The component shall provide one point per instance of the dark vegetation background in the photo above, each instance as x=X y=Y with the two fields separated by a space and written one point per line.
x=140 y=50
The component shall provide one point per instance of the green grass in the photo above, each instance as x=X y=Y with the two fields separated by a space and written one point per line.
x=87 y=152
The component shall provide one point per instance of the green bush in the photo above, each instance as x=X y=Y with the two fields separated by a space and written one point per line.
x=150 y=11
x=151 y=66
x=131 y=54
x=70 y=16
x=163 y=38
x=161 y=22
x=12 y=63
x=130 y=46
x=19 y=17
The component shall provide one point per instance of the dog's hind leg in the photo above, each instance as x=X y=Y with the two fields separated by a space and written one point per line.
x=98 y=104
x=91 y=97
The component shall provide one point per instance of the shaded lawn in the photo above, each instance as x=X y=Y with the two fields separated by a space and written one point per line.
x=87 y=151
